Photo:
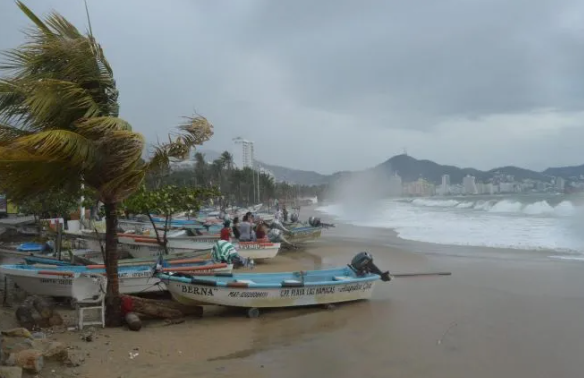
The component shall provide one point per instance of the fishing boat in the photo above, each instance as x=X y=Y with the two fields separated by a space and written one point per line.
x=56 y=281
x=260 y=290
x=304 y=234
x=31 y=260
x=257 y=250
x=176 y=241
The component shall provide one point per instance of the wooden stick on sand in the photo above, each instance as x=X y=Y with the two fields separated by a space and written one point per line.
x=421 y=274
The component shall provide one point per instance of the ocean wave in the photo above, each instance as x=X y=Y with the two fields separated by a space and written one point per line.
x=504 y=206
x=481 y=223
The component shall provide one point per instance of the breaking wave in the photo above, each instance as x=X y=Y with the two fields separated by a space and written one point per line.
x=564 y=208
x=552 y=223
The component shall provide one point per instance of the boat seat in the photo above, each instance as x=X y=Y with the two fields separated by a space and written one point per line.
x=292 y=281
x=342 y=278
x=245 y=281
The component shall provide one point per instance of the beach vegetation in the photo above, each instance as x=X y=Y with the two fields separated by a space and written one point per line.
x=60 y=129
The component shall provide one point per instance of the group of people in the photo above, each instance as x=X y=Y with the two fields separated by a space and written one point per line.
x=225 y=252
x=244 y=231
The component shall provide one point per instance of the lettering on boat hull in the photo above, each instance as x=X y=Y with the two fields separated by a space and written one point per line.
x=197 y=290
x=276 y=297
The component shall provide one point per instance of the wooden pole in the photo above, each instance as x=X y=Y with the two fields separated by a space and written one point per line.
x=401 y=275
x=59 y=239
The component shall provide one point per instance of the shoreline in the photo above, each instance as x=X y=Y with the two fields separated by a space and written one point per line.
x=390 y=237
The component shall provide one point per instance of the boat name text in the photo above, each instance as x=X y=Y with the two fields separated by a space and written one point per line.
x=204 y=291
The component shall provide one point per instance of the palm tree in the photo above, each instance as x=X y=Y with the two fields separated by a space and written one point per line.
x=59 y=128
x=227 y=160
x=200 y=169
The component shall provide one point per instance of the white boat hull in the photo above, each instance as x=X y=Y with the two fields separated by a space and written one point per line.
x=62 y=286
x=257 y=251
x=196 y=294
x=143 y=250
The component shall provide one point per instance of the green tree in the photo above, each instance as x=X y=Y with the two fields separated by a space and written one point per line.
x=165 y=202
x=59 y=128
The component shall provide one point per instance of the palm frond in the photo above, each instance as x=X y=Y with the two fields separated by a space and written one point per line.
x=9 y=133
x=62 y=146
x=122 y=186
x=195 y=131
x=33 y=17
x=100 y=126
x=28 y=179
x=159 y=159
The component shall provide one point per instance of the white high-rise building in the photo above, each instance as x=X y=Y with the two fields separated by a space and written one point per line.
x=445 y=187
x=243 y=154
x=469 y=185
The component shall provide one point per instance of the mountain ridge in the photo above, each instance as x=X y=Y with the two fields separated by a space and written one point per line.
x=411 y=169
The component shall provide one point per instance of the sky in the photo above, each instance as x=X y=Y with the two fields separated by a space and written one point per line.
x=335 y=85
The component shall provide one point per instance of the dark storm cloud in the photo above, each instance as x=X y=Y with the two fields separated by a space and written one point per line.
x=313 y=82
x=439 y=58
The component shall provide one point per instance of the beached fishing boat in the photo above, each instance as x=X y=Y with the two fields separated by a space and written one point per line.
x=57 y=281
x=303 y=234
x=260 y=290
x=31 y=260
x=176 y=242
x=258 y=250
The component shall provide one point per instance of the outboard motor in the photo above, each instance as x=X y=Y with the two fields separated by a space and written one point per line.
x=362 y=264
x=314 y=221
x=275 y=235
x=294 y=218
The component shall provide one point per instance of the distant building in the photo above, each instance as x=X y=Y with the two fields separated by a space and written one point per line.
x=243 y=153
x=445 y=187
x=469 y=185
x=506 y=187
x=395 y=185
x=419 y=188
x=560 y=184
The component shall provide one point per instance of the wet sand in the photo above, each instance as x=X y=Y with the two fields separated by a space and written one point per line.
x=494 y=317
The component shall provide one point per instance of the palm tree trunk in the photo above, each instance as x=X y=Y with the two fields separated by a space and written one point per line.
x=112 y=301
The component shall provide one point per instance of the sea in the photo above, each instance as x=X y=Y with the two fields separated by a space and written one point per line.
x=543 y=222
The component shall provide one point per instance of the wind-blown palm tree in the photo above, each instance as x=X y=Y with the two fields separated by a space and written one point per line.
x=227 y=160
x=201 y=169
x=59 y=127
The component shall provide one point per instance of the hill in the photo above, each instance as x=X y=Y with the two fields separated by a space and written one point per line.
x=296 y=176
x=411 y=169
x=570 y=172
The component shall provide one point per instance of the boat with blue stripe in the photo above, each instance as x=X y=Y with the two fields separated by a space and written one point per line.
x=56 y=281
x=288 y=289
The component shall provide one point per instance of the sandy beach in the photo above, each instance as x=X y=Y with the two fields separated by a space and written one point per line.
x=502 y=313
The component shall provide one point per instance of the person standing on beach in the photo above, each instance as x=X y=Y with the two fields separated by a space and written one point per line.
x=245 y=229
x=235 y=228
x=261 y=231
x=226 y=231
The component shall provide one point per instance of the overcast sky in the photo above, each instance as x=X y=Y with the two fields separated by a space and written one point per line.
x=333 y=85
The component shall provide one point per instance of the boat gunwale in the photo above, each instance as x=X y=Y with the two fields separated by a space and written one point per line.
x=206 y=281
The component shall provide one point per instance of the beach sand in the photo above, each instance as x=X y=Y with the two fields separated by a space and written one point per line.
x=501 y=314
